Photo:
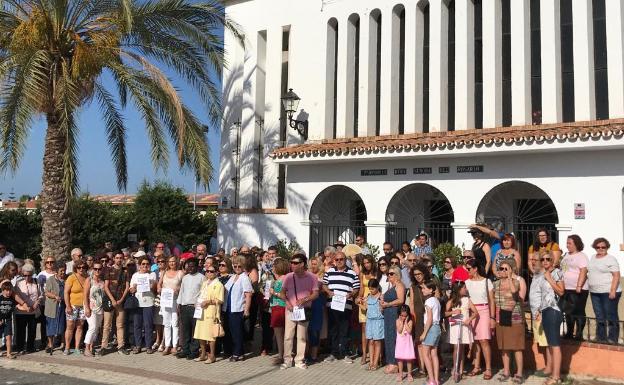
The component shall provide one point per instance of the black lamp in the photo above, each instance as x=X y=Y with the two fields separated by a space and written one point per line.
x=291 y=104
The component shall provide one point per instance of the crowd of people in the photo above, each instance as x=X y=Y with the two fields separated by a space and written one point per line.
x=396 y=311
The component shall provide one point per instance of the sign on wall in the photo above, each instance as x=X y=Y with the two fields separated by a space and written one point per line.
x=579 y=211
x=374 y=172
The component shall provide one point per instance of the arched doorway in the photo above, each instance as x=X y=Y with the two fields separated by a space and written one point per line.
x=419 y=208
x=337 y=214
x=519 y=208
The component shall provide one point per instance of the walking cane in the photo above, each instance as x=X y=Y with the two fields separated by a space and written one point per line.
x=460 y=348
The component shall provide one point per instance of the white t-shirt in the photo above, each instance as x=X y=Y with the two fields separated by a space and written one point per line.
x=7 y=257
x=433 y=304
x=146 y=299
x=477 y=290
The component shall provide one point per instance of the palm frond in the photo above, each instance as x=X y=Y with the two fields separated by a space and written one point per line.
x=116 y=132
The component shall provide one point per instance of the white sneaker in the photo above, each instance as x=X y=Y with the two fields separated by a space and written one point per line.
x=347 y=360
x=301 y=365
x=330 y=358
x=285 y=365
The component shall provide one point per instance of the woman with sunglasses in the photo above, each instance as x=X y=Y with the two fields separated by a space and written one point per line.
x=143 y=317
x=368 y=272
x=603 y=277
x=390 y=303
x=509 y=321
x=93 y=296
x=481 y=293
x=171 y=279
x=237 y=304
x=419 y=274
x=549 y=281
x=74 y=305
x=54 y=303
x=211 y=298
x=224 y=344
x=383 y=264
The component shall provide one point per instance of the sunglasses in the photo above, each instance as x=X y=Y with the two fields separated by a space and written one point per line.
x=383 y=264
x=600 y=247
x=211 y=271
x=49 y=262
x=161 y=261
x=447 y=261
x=97 y=269
x=391 y=273
x=339 y=259
x=222 y=265
x=83 y=267
x=393 y=263
x=295 y=262
x=545 y=259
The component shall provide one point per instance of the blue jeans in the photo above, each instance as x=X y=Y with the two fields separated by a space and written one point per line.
x=606 y=311
x=143 y=320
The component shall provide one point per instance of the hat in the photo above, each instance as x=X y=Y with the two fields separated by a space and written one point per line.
x=139 y=254
x=350 y=250
x=186 y=256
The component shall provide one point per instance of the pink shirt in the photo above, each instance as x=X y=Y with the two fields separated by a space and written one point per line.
x=305 y=286
x=571 y=266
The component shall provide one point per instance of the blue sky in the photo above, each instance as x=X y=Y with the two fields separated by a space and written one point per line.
x=96 y=173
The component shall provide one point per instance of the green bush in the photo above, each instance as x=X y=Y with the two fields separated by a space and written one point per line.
x=446 y=250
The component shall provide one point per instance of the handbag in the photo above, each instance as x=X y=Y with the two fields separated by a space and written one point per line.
x=504 y=316
x=131 y=302
x=217 y=328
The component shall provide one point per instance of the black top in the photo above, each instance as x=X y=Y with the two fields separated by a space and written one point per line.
x=7 y=306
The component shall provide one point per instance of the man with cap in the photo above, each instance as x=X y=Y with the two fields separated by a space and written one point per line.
x=299 y=289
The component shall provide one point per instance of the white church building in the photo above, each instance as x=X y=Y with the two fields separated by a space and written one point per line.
x=422 y=115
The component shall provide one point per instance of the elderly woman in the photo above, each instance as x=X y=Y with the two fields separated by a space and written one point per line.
x=143 y=285
x=237 y=304
x=419 y=275
x=74 y=306
x=171 y=279
x=93 y=304
x=509 y=321
x=211 y=298
x=55 y=305
x=390 y=303
x=551 y=286
x=28 y=290
x=603 y=277
x=574 y=267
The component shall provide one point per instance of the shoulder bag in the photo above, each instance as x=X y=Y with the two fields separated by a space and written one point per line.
x=306 y=310
x=504 y=316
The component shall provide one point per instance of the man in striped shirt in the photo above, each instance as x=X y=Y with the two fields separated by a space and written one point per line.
x=340 y=280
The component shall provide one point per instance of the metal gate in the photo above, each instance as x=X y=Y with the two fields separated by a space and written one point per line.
x=325 y=235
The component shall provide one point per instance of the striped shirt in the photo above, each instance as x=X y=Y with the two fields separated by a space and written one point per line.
x=345 y=281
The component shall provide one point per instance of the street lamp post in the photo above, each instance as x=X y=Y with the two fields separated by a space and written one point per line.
x=291 y=104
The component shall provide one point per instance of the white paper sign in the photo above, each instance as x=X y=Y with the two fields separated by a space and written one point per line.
x=298 y=314
x=339 y=301
x=199 y=312
x=166 y=298
x=143 y=284
x=267 y=289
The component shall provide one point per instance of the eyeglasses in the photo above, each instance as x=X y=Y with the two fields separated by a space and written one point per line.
x=447 y=261
x=236 y=266
x=97 y=269
x=394 y=263
x=600 y=247
x=49 y=262
x=545 y=259
x=383 y=264
x=339 y=259
x=295 y=262
x=222 y=265
x=418 y=274
x=211 y=271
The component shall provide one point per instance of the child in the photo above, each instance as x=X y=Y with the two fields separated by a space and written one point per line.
x=374 y=322
x=461 y=311
x=431 y=332
x=7 y=306
x=404 y=350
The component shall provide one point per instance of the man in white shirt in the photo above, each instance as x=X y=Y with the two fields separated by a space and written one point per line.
x=5 y=256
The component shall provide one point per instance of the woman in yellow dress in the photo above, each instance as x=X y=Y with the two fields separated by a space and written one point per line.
x=211 y=298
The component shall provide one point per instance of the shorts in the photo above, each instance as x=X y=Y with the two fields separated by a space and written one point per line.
x=551 y=322
x=433 y=336
x=77 y=314
x=278 y=316
x=6 y=328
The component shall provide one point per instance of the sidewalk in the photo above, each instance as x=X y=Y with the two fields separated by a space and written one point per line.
x=159 y=370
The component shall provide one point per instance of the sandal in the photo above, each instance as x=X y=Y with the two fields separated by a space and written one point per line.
x=487 y=375
x=399 y=378
x=517 y=379
x=552 y=381
x=503 y=377
x=474 y=372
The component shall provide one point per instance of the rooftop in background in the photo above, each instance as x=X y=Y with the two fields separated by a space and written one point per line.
x=204 y=201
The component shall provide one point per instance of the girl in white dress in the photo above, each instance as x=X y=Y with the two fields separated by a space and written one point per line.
x=461 y=311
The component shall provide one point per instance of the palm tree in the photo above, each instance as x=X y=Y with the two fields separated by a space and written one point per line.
x=56 y=56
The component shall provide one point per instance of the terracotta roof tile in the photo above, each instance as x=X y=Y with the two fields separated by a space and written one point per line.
x=546 y=133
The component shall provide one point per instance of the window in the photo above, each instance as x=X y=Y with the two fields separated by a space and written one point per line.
x=478 y=47
x=536 y=63
x=332 y=80
x=567 y=61
x=426 y=44
x=506 y=51
x=451 y=67
x=600 y=60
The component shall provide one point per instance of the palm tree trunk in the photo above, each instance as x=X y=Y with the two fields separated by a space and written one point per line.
x=56 y=228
